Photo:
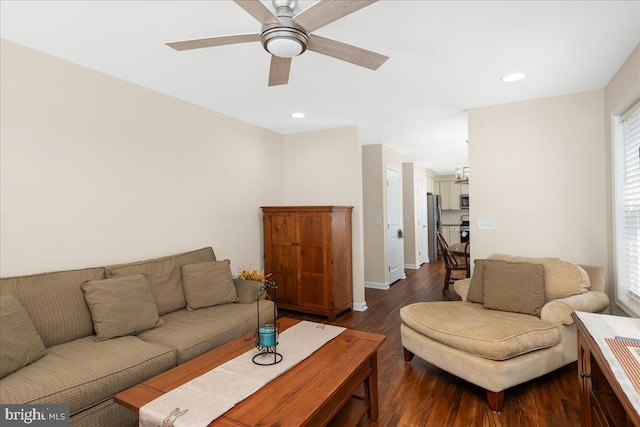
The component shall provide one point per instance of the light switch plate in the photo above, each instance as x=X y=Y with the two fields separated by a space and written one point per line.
x=486 y=224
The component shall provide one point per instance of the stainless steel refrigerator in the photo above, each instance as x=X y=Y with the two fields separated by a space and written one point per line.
x=434 y=223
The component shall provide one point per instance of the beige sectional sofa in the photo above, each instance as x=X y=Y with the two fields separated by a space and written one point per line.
x=98 y=331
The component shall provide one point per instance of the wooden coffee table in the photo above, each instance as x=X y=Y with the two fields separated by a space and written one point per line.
x=320 y=390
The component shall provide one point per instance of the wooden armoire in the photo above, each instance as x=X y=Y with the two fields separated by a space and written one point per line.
x=307 y=250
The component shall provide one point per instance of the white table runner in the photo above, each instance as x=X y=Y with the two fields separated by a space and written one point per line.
x=203 y=399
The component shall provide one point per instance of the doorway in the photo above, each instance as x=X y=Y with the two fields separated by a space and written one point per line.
x=395 y=249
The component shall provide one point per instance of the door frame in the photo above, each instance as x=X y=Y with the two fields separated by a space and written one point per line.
x=398 y=272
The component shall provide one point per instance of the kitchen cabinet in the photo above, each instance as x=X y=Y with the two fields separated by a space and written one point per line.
x=445 y=194
x=450 y=192
x=451 y=233
x=307 y=250
x=445 y=232
x=455 y=196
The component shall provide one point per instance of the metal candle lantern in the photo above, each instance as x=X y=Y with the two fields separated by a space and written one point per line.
x=267 y=334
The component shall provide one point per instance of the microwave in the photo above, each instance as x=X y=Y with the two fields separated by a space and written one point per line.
x=464 y=201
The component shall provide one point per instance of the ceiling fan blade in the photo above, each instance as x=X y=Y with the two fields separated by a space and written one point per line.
x=346 y=52
x=214 y=41
x=279 y=72
x=326 y=11
x=259 y=11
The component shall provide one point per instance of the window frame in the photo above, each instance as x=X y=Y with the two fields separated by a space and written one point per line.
x=625 y=298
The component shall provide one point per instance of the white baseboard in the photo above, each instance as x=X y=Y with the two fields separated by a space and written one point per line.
x=375 y=285
x=360 y=306
x=411 y=266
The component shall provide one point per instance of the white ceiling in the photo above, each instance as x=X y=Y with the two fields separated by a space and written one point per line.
x=445 y=57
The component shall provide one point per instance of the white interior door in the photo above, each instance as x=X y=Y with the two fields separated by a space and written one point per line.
x=422 y=221
x=395 y=250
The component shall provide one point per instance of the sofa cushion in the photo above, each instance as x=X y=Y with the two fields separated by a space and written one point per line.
x=597 y=277
x=248 y=290
x=208 y=283
x=121 y=306
x=85 y=372
x=164 y=275
x=513 y=286
x=20 y=343
x=55 y=302
x=476 y=287
x=192 y=333
x=561 y=278
x=469 y=327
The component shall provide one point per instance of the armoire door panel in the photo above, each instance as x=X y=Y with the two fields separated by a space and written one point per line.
x=283 y=228
x=310 y=229
x=311 y=260
x=283 y=271
x=312 y=291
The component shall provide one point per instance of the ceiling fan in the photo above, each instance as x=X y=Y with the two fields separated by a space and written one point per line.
x=285 y=35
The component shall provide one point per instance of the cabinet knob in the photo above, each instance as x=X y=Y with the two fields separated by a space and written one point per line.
x=584 y=375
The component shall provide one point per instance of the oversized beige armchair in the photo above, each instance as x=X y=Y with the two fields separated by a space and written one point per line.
x=513 y=324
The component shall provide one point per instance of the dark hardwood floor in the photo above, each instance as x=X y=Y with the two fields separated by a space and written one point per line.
x=418 y=394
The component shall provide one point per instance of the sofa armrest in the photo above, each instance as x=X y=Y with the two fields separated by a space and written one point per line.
x=248 y=290
x=559 y=310
x=462 y=288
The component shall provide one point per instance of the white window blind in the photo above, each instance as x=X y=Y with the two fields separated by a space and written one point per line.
x=627 y=207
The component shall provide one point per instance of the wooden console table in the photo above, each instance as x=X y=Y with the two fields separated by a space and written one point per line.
x=607 y=396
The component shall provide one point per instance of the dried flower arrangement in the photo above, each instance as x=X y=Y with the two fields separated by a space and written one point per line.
x=247 y=273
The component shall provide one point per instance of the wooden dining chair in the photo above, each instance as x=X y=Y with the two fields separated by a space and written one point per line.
x=451 y=263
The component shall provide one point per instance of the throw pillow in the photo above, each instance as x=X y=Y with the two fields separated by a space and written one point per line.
x=562 y=278
x=248 y=290
x=208 y=283
x=513 y=286
x=164 y=276
x=20 y=344
x=121 y=306
x=476 y=287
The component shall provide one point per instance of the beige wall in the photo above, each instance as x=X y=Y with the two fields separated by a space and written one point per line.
x=622 y=91
x=325 y=168
x=95 y=170
x=375 y=161
x=375 y=244
x=538 y=169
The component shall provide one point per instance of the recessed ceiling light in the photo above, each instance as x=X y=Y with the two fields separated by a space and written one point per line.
x=298 y=115
x=513 y=77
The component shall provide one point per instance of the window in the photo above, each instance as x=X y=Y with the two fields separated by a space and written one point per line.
x=627 y=209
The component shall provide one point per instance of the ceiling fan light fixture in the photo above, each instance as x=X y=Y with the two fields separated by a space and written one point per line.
x=284 y=47
x=284 y=40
